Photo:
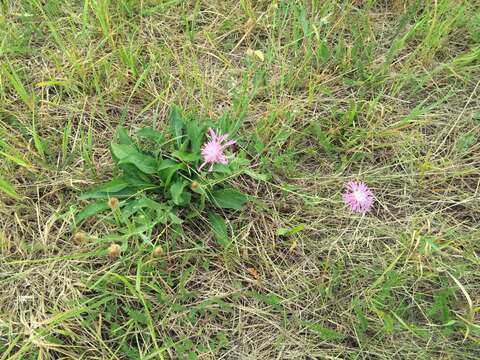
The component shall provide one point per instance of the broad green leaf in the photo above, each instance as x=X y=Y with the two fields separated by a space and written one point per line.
x=176 y=124
x=194 y=133
x=89 y=211
x=185 y=156
x=120 y=187
x=120 y=151
x=149 y=203
x=144 y=163
x=222 y=168
x=167 y=169
x=112 y=186
x=152 y=134
x=325 y=333
x=133 y=174
x=152 y=212
x=179 y=197
x=140 y=182
x=219 y=228
x=175 y=219
x=123 y=137
x=127 y=154
x=124 y=193
x=8 y=189
x=229 y=199
x=166 y=164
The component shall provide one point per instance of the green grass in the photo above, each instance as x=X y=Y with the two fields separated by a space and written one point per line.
x=321 y=92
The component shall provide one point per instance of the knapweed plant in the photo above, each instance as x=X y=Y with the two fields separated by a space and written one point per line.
x=165 y=179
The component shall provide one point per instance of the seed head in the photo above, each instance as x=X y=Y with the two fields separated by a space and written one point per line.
x=114 y=250
x=158 y=251
x=195 y=185
x=79 y=237
x=113 y=203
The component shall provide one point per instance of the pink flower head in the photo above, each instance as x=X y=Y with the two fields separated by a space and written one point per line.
x=212 y=150
x=358 y=197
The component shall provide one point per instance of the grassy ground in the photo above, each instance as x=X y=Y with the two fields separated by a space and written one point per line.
x=382 y=91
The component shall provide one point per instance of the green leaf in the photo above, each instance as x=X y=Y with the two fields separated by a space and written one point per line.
x=27 y=98
x=257 y=176
x=176 y=124
x=127 y=154
x=178 y=195
x=465 y=141
x=229 y=199
x=8 y=189
x=124 y=193
x=144 y=163
x=270 y=299
x=112 y=186
x=324 y=52
x=414 y=329
x=361 y=323
x=120 y=151
x=136 y=207
x=90 y=210
x=149 y=203
x=167 y=169
x=152 y=134
x=290 y=231
x=185 y=156
x=142 y=203
x=194 y=133
x=219 y=228
x=325 y=333
x=123 y=137
x=137 y=316
x=323 y=138
x=440 y=311
x=175 y=219
x=131 y=352
x=12 y=154
x=222 y=168
x=118 y=187
x=134 y=175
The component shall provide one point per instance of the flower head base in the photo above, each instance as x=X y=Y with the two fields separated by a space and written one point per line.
x=212 y=150
x=358 y=197
x=113 y=203
x=114 y=250
x=158 y=251
x=194 y=185
x=79 y=237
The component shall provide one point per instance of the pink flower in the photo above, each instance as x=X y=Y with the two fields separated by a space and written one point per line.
x=358 y=196
x=212 y=150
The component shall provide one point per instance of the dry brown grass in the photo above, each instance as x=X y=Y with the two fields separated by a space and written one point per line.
x=401 y=282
